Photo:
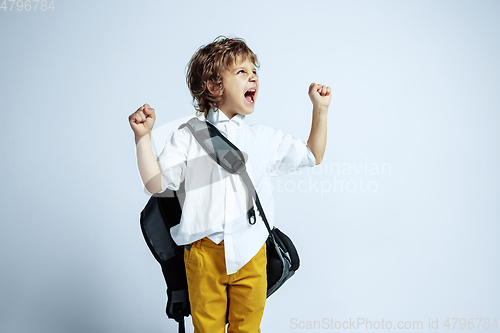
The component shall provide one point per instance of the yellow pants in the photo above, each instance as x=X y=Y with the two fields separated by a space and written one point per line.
x=216 y=296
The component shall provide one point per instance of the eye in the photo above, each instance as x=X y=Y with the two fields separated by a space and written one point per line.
x=241 y=71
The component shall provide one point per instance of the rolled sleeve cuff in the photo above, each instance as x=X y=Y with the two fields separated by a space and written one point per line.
x=171 y=177
x=310 y=159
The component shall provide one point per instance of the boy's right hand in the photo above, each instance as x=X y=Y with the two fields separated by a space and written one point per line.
x=142 y=120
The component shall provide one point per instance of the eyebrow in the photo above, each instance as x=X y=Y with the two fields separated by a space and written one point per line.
x=241 y=67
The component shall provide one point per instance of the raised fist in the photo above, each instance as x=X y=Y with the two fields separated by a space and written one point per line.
x=142 y=120
x=320 y=95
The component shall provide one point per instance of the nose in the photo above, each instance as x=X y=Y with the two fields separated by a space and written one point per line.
x=253 y=77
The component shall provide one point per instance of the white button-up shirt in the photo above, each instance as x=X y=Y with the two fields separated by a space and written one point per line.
x=215 y=201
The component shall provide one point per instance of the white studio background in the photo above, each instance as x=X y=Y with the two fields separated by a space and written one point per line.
x=400 y=222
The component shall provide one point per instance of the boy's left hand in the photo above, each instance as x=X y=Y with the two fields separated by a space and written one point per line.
x=320 y=95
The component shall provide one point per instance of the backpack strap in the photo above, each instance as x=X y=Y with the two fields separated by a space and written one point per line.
x=230 y=158
x=217 y=146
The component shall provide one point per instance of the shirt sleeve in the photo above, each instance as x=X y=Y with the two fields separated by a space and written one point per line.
x=173 y=160
x=290 y=154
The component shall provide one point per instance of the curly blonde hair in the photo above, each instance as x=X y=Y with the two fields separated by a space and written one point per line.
x=206 y=66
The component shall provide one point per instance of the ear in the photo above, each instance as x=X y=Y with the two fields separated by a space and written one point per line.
x=212 y=88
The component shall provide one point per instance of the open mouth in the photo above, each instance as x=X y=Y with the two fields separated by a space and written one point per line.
x=250 y=95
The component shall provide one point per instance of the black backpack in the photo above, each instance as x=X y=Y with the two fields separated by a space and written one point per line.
x=163 y=211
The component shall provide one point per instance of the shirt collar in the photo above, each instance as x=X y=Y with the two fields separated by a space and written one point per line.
x=217 y=117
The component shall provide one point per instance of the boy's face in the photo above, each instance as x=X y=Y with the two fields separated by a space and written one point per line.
x=241 y=85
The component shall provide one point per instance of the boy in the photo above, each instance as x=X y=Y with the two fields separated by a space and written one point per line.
x=225 y=254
